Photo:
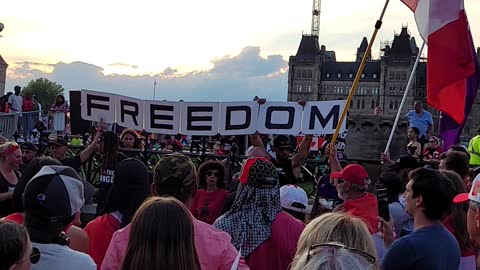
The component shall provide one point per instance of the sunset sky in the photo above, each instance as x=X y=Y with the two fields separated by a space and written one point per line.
x=192 y=48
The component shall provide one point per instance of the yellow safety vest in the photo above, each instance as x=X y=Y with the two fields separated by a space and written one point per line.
x=474 y=150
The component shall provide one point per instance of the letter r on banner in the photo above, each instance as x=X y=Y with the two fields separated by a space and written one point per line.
x=129 y=112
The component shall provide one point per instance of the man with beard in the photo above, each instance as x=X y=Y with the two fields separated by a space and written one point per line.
x=29 y=152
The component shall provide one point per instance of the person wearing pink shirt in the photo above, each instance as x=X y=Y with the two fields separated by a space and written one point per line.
x=266 y=235
x=175 y=176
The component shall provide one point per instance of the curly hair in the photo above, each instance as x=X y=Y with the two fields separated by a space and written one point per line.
x=208 y=166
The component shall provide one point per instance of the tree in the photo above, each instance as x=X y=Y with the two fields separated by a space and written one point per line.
x=44 y=90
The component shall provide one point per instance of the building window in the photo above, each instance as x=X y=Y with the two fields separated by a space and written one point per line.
x=358 y=104
x=397 y=76
x=300 y=88
x=327 y=75
x=363 y=104
x=299 y=74
x=391 y=104
x=363 y=76
x=378 y=102
x=351 y=105
x=374 y=75
x=373 y=104
x=392 y=75
x=339 y=75
x=308 y=88
x=396 y=104
x=304 y=74
x=310 y=74
x=350 y=75
x=404 y=75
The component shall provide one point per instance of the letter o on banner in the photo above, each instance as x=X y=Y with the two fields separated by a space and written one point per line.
x=280 y=118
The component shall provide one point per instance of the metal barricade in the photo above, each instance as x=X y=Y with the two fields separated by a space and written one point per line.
x=11 y=123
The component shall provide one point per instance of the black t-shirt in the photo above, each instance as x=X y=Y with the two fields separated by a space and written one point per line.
x=285 y=172
x=6 y=207
x=107 y=174
x=75 y=162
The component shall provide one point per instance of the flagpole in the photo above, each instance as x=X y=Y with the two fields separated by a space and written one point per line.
x=378 y=24
x=154 y=88
x=407 y=89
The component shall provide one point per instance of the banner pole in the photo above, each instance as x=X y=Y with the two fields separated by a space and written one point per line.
x=407 y=89
x=378 y=25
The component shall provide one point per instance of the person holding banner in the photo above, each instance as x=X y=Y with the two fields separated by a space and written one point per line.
x=288 y=168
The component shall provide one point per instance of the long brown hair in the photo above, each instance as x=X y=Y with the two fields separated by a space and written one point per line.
x=161 y=237
x=458 y=213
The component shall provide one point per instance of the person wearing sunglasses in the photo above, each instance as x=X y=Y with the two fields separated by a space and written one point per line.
x=335 y=256
x=211 y=195
x=16 y=252
x=10 y=161
x=334 y=231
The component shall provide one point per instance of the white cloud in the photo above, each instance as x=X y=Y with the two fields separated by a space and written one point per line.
x=232 y=78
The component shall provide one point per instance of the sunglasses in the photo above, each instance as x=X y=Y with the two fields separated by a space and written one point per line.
x=315 y=249
x=213 y=173
x=34 y=257
x=284 y=148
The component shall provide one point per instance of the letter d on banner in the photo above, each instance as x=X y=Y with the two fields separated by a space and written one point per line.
x=98 y=105
x=238 y=118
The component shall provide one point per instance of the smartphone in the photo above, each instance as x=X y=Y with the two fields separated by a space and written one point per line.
x=383 y=210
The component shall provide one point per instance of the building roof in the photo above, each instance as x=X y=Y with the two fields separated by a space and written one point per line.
x=2 y=61
x=363 y=45
x=332 y=69
x=402 y=46
x=308 y=48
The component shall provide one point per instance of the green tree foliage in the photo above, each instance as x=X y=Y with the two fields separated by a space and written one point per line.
x=44 y=90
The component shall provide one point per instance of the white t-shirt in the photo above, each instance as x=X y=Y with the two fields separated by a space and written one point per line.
x=53 y=256
x=16 y=103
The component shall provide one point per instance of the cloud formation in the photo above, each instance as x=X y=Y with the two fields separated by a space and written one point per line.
x=232 y=78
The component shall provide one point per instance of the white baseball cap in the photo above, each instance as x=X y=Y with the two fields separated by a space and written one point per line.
x=290 y=194
x=474 y=194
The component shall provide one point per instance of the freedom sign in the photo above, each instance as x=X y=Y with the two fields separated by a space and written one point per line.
x=211 y=118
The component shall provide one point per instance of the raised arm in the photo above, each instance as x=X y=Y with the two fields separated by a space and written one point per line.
x=299 y=158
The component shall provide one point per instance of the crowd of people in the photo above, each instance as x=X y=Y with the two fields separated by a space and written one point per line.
x=33 y=118
x=184 y=216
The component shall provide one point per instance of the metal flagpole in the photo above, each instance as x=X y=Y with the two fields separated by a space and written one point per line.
x=154 y=88
x=407 y=89
x=378 y=24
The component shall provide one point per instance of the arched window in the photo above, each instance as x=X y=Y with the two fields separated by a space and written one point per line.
x=363 y=104
x=378 y=102
x=396 y=104
x=358 y=104
x=304 y=74
x=391 y=104
x=373 y=104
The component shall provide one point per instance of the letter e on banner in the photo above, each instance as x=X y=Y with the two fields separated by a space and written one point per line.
x=280 y=118
x=322 y=117
x=162 y=117
x=98 y=105
x=238 y=118
x=129 y=112
x=199 y=118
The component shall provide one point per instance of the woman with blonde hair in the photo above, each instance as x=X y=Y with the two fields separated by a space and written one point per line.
x=161 y=237
x=349 y=232
x=10 y=160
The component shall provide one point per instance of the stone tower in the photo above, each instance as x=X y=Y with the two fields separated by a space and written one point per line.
x=3 y=75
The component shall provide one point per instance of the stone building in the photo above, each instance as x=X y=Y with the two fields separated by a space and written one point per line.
x=3 y=75
x=315 y=74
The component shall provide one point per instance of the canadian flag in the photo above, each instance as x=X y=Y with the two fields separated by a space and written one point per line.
x=444 y=26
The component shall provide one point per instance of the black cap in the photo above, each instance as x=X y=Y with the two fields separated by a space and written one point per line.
x=29 y=146
x=405 y=162
x=59 y=141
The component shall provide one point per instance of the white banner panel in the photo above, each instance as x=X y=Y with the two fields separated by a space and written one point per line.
x=322 y=117
x=98 y=105
x=162 y=117
x=199 y=118
x=238 y=118
x=129 y=112
x=280 y=118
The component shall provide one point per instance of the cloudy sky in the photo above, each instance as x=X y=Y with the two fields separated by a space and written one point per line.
x=208 y=50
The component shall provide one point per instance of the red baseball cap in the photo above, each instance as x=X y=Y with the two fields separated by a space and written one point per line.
x=352 y=173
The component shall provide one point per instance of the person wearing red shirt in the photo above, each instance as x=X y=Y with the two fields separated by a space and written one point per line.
x=130 y=189
x=264 y=234
x=210 y=198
